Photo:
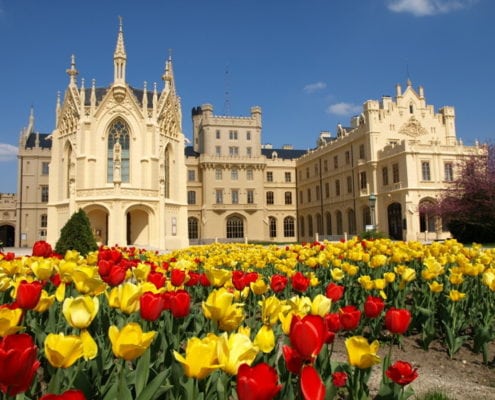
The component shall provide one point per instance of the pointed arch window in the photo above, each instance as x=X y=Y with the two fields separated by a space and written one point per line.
x=118 y=152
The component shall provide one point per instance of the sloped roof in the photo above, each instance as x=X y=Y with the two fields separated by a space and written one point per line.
x=44 y=143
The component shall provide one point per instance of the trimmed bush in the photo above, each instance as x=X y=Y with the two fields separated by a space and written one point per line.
x=76 y=235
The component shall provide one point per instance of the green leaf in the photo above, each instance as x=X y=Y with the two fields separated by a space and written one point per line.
x=152 y=388
x=142 y=371
x=123 y=392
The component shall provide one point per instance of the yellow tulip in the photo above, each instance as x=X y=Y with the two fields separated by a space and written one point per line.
x=80 y=311
x=378 y=260
x=259 y=287
x=408 y=275
x=379 y=283
x=337 y=274
x=285 y=320
x=270 y=308
x=201 y=357
x=265 y=339
x=488 y=279
x=320 y=305
x=233 y=350
x=130 y=342
x=219 y=306
x=218 y=276
x=456 y=278
x=366 y=282
x=45 y=302
x=141 y=272
x=435 y=287
x=90 y=348
x=301 y=305
x=9 y=319
x=389 y=277
x=42 y=268
x=232 y=318
x=88 y=281
x=360 y=353
x=125 y=297
x=62 y=351
x=455 y=295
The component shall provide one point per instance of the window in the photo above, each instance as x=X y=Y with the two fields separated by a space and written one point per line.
x=425 y=170
x=233 y=135
x=395 y=173
x=233 y=151
x=250 y=196
x=235 y=196
x=235 y=228
x=191 y=175
x=45 y=167
x=363 y=181
x=316 y=169
x=327 y=190
x=317 y=192
x=362 y=155
x=336 y=162
x=219 y=196
x=217 y=134
x=347 y=157
x=448 y=172
x=340 y=226
x=43 y=220
x=351 y=221
x=385 y=176
x=249 y=151
x=337 y=187
x=309 y=195
x=248 y=135
x=288 y=177
x=166 y=172
x=289 y=227
x=272 y=222
x=269 y=176
x=44 y=193
x=118 y=152
x=307 y=172
x=249 y=174
x=191 y=197
x=269 y=198
x=301 y=196
x=234 y=174
x=192 y=228
x=325 y=165
x=218 y=151
x=288 y=197
x=310 y=225
x=329 y=223
x=301 y=225
x=218 y=174
x=411 y=109
x=319 y=224
x=349 y=184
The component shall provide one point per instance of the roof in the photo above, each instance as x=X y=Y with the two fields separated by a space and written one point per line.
x=44 y=142
x=101 y=92
x=285 y=154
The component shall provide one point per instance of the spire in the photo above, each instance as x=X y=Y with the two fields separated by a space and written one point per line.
x=72 y=71
x=82 y=94
x=93 y=95
x=30 y=127
x=57 y=108
x=145 y=99
x=119 y=56
x=168 y=75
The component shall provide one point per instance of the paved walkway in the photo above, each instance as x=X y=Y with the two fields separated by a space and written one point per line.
x=19 y=251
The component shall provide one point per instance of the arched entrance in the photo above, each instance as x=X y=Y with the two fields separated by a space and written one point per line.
x=394 y=212
x=7 y=235
x=137 y=227
x=98 y=218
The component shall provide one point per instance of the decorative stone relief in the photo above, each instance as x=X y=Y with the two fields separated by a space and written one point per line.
x=412 y=128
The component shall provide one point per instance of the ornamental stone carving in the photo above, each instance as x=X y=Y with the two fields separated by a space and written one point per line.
x=412 y=128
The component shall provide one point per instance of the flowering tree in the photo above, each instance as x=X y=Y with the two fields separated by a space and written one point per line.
x=469 y=204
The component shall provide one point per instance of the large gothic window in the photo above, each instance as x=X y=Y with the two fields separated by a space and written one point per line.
x=289 y=227
x=235 y=228
x=192 y=228
x=118 y=152
x=167 y=173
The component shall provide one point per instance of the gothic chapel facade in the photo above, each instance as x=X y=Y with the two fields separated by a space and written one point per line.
x=118 y=154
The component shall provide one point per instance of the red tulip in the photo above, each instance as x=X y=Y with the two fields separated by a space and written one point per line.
x=299 y=282
x=312 y=387
x=150 y=306
x=373 y=306
x=180 y=303
x=157 y=279
x=177 y=277
x=397 y=320
x=278 y=282
x=203 y=280
x=257 y=383
x=28 y=294
x=332 y=320
x=293 y=360
x=350 y=317
x=18 y=363
x=307 y=335
x=193 y=278
x=239 y=279
x=339 y=379
x=42 y=249
x=334 y=291
x=111 y=273
x=402 y=372
x=72 y=394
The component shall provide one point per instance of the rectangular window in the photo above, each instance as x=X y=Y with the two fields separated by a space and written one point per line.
x=217 y=133
x=395 y=173
x=233 y=151
x=317 y=192
x=233 y=135
x=363 y=181
x=218 y=174
x=337 y=188
x=425 y=170
x=235 y=196
x=249 y=174
x=191 y=175
x=248 y=135
x=250 y=196
x=336 y=162
x=249 y=151
x=44 y=167
x=269 y=198
x=301 y=197
x=362 y=156
x=309 y=195
x=269 y=176
x=347 y=157
x=219 y=196
x=191 y=197
x=218 y=151
x=288 y=177
x=448 y=171
x=288 y=198
x=44 y=221
x=234 y=174
x=44 y=193
x=307 y=172
x=325 y=165
x=327 y=190
x=349 y=184
x=385 y=176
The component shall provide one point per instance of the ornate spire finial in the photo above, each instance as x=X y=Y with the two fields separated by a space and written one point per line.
x=119 y=56
x=72 y=71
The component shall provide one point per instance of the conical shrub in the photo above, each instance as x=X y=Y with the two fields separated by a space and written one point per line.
x=76 y=235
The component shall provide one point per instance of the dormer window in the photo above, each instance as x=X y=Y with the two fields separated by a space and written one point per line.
x=411 y=109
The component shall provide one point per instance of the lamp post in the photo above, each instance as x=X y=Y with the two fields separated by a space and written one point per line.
x=372 y=201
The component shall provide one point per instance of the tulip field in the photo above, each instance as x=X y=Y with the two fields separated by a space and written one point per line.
x=237 y=321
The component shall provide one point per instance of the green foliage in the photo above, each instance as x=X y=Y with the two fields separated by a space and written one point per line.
x=435 y=395
x=372 y=234
x=76 y=235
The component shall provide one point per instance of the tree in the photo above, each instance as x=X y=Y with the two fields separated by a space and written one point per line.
x=468 y=205
x=76 y=235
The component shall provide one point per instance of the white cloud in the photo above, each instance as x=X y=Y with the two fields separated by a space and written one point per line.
x=421 y=8
x=314 y=87
x=343 y=109
x=7 y=152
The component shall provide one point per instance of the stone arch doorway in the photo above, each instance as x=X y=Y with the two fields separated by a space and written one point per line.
x=7 y=235
x=98 y=219
x=138 y=227
x=394 y=213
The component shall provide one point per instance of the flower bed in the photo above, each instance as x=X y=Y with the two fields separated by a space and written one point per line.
x=236 y=320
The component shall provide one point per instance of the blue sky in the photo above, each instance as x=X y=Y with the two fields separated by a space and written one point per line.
x=310 y=64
